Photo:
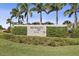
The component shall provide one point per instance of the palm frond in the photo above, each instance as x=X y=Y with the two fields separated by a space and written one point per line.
x=70 y=14
x=33 y=9
x=67 y=12
x=30 y=12
x=9 y=20
x=25 y=14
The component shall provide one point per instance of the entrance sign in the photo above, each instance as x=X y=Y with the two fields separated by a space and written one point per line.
x=36 y=30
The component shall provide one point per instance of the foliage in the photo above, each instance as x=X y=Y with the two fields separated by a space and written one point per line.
x=73 y=10
x=8 y=48
x=56 y=31
x=39 y=8
x=75 y=33
x=51 y=31
x=49 y=23
x=6 y=36
x=45 y=41
x=15 y=12
x=35 y=23
x=8 y=30
x=67 y=22
x=1 y=27
x=54 y=7
x=25 y=9
x=19 y=30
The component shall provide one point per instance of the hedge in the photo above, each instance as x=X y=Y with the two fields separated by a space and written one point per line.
x=46 y=41
x=57 y=31
x=19 y=30
x=50 y=31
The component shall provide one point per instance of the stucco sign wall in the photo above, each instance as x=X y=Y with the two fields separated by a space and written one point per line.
x=36 y=30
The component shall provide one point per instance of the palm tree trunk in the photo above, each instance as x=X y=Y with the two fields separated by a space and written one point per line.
x=40 y=18
x=75 y=22
x=10 y=25
x=18 y=20
x=56 y=16
x=27 y=18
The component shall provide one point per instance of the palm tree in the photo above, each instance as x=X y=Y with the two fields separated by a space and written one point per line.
x=55 y=7
x=73 y=10
x=39 y=7
x=16 y=13
x=24 y=8
x=9 y=20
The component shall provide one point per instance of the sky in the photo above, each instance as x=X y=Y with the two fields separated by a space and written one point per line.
x=5 y=9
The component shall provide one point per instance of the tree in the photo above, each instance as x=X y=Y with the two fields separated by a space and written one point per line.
x=73 y=10
x=39 y=7
x=16 y=13
x=55 y=7
x=24 y=8
x=1 y=27
x=9 y=20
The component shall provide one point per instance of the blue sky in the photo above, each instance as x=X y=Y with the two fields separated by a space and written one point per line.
x=5 y=9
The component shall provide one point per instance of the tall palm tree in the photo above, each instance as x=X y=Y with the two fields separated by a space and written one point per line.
x=25 y=8
x=9 y=20
x=55 y=7
x=73 y=10
x=39 y=7
x=16 y=13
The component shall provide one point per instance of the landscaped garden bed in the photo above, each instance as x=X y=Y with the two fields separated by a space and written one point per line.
x=47 y=41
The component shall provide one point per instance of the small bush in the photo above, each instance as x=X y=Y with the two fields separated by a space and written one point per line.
x=48 y=41
x=48 y=23
x=75 y=33
x=35 y=23
x=19 y=30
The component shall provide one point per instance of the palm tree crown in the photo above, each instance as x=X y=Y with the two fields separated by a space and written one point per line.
x=55 y=7
x=16 y=13
x=73 y=10
x=25 y=8
x=9 y=20
x=39 y=7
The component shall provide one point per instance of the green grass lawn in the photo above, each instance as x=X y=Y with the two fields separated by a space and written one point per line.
x=12 y=48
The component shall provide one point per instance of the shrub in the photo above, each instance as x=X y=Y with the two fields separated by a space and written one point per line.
x=35 y=23
x=46 y=41
x=49 y=23
x=8 y=30
x=75 y=33
x=51 y=31
x=19 y=30
x=56 y=31
x=67 y=22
